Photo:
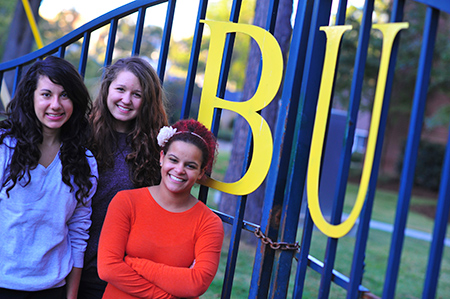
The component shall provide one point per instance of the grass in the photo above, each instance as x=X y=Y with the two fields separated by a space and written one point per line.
x=385 y=206
x=242 y=277
x=412 y=270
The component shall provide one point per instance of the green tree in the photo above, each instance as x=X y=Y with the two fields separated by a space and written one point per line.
x=405 y=73
x=440 y=74
x=67 y=20
x=63 y=23
x=6 y=15
x=347 y=56
x=179 y=54
x=20 y=37
x=407 y=61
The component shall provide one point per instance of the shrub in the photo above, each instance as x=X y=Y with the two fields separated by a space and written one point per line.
x=430 y=158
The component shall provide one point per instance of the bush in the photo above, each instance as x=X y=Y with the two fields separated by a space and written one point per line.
x=357 y=157
x=430 y=158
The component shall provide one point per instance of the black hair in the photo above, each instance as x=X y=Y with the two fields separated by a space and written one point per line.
x=194 y=132
x=23 y=125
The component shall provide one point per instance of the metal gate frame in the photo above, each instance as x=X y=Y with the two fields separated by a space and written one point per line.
x=292 y=139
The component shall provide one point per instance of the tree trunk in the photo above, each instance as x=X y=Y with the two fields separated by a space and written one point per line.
x=20 y=38
x=283 y=30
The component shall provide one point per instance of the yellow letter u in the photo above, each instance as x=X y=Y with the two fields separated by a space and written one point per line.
x=334 y=35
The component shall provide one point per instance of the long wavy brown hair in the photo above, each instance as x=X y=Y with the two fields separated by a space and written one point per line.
x=144 y=157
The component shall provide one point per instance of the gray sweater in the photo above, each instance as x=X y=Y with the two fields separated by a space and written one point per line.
x=43 y=230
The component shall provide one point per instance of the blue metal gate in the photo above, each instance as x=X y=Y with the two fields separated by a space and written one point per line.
x=293 y=138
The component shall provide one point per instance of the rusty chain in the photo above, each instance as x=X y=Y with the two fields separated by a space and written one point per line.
x=275 y=245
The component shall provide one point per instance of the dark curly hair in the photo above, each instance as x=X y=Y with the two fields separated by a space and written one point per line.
x=144 y=158
x=194 y=132
x=23 y=125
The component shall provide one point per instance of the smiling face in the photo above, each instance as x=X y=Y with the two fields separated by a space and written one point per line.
x=52 y=105
x=181 y=167
x=124 y=100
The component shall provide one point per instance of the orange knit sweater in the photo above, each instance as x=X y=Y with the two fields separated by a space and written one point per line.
x=146 y=251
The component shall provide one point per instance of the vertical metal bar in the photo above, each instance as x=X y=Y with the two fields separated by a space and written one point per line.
x=356 y=88
x=223 y=77
x=138 y=32
x=409 y=162
x=226 y=62
x=308 y=97
x=61 y=51
x=341 y=13
x=282 y=146
x=17 y=78
x=355 y=98
x=272 y=16
x=164 y=52
x=264 y=258
x=111 y=42
x=364 y=224
x=304 y=254
x=363 y=229
x=84 y=53
x=233 y=247
x=440 y=227
x=241 y=200
x=192 y=69
x=235 y=234
x=4 y=93
x=308 y=224
x=302 y=176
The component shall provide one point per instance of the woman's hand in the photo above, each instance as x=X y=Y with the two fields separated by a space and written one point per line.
x=192 y=266
x=73 y=282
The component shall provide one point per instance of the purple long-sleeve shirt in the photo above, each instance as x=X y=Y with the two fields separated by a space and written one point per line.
x=110 y=182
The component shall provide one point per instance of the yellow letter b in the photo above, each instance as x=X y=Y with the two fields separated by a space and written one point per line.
x=271 y=74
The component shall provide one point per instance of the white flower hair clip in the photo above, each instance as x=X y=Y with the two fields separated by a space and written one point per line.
x=165 y=133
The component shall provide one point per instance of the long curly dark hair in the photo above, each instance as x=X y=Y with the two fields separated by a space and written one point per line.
x=144 y=157
x=23 y=125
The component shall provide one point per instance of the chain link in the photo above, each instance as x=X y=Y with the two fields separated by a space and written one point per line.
x=275 y=245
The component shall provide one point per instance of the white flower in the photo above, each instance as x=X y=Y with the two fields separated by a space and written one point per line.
x=165 y=133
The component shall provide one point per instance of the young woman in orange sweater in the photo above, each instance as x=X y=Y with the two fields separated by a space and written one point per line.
x=160 y=241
